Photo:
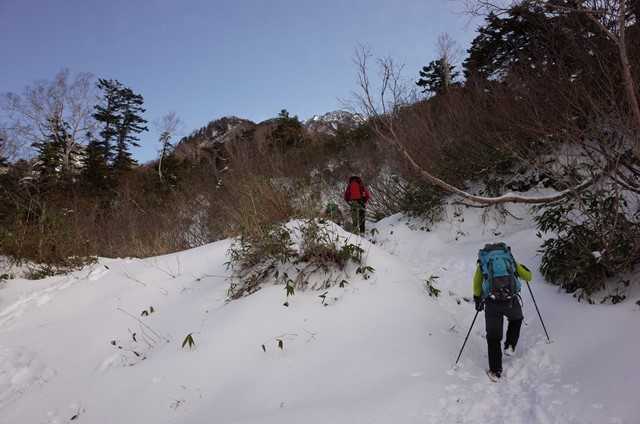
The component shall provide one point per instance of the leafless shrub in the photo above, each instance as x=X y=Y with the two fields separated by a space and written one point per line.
x=251 y=202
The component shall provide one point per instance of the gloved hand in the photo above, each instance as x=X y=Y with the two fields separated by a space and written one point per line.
x=479 y=303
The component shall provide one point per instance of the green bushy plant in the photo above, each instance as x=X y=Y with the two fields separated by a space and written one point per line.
x=594 y=240
x=273 y=241
x=256 y=255
x=423 y=200
x=272 y=254
x=324 y=248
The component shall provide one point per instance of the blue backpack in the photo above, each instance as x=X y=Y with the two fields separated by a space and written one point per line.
x=500 y=281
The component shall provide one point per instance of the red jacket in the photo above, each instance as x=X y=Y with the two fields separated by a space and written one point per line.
x=356 y=191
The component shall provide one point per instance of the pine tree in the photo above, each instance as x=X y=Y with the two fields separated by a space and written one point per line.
x=131 y=124
x=520 y=39
x=121 y=120
x=437 y=77
x=534 y=39
x=107 y=113
x=50 y=164
x=507 y=41
x=288 y=132
x=96 y=174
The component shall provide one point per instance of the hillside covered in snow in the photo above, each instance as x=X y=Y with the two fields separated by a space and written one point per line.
x=108 y=344
x=215 y=279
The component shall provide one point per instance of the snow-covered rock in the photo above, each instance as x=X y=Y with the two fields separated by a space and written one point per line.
x=219 y=131
x=331 y=121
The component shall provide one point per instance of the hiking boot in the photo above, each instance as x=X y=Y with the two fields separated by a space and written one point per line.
x=494 y=375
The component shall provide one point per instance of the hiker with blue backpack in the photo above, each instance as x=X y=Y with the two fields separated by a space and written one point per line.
x=496 y=288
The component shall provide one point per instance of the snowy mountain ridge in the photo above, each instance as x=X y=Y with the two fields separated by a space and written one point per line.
x=331 y=121
x=230 y=128
x=220 y=130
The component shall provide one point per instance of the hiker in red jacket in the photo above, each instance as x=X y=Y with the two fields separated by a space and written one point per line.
x=357 y=196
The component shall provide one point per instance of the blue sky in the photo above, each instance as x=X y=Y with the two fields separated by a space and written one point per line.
x=207 y=59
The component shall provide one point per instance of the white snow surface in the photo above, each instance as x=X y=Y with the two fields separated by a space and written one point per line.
x=380 y=351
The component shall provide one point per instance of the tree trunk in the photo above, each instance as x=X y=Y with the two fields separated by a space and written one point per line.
x=629 y=85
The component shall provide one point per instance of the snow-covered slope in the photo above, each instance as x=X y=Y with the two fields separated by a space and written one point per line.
x=381 y=351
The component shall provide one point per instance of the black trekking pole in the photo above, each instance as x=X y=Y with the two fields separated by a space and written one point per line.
x=538 y=310
x=466 y=338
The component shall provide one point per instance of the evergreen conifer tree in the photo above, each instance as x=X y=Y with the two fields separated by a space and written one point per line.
x=519 y=39
x=121 y=118
x=288 y=132
x=96 y=174
x=131 y=124
x=531 y=39
x=50 y=164
x=437 y=77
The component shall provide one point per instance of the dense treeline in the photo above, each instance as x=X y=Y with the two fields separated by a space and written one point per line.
x=84 y=195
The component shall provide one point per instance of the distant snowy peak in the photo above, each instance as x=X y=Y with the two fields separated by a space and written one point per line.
x=331 y=121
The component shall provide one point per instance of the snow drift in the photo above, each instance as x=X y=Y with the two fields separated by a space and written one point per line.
x=104 y=345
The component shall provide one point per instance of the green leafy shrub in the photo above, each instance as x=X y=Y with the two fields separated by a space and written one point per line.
x=365 y=271
x=255 y=256
x=424 y=201
x=322 y=247
x=594 y=241
x=274 y=241
x=319 y=254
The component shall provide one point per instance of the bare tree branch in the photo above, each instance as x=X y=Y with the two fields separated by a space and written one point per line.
x=384 y=124
x=168 y=126
x=65 y=99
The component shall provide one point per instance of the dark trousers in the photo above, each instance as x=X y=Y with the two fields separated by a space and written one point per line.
x=494 y=313
x=358 y=215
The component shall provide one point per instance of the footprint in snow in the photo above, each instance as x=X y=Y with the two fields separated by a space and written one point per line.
x=98 y=273
x=527 y=393
x=20 y=369
x=43 y=300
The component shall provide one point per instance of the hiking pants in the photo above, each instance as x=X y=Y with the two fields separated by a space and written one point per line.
x=358 y=215
x=494 y=313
